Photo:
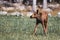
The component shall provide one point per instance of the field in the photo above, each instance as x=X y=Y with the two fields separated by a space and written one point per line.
x=21 y=28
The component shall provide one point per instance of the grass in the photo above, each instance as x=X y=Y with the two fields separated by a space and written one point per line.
x=21 y=28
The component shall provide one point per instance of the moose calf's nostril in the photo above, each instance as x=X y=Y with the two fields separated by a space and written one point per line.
x=30 y=16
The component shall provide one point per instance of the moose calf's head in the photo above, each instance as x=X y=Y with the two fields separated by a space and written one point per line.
x=34 y=15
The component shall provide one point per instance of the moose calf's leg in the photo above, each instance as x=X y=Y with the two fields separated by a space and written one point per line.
x=46 y=27
x=43 y=25
x=35 y=29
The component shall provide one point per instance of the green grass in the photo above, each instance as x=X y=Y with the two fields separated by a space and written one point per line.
x=21 y=28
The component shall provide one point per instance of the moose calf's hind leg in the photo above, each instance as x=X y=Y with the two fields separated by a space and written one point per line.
x=46 y=27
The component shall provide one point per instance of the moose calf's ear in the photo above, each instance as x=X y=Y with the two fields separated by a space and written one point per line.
x=37 y=12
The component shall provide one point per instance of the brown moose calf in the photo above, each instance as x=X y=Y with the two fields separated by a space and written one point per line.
x=41 y=17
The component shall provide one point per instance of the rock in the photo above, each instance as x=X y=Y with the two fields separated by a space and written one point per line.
x=21 y=7
x=48 y=10
x=58 y=14
x=3 y=8
x=8 y=9
x=53 y=6
x=29 y=8
x=49 y=14
x=15 y=13
x=29 y=14
x=3 y=12
x=16 y=4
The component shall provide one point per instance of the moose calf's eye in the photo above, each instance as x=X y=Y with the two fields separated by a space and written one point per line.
x=40 y=13
x=34 y=14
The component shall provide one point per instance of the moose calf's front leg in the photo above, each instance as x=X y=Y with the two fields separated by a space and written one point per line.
x=35 y=29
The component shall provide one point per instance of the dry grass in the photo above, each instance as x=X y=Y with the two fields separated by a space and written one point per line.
x=54 y=12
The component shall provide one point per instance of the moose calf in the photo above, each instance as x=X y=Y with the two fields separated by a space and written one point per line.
x=41 y=17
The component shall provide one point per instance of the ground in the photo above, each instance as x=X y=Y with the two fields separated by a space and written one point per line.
x=21 y=28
